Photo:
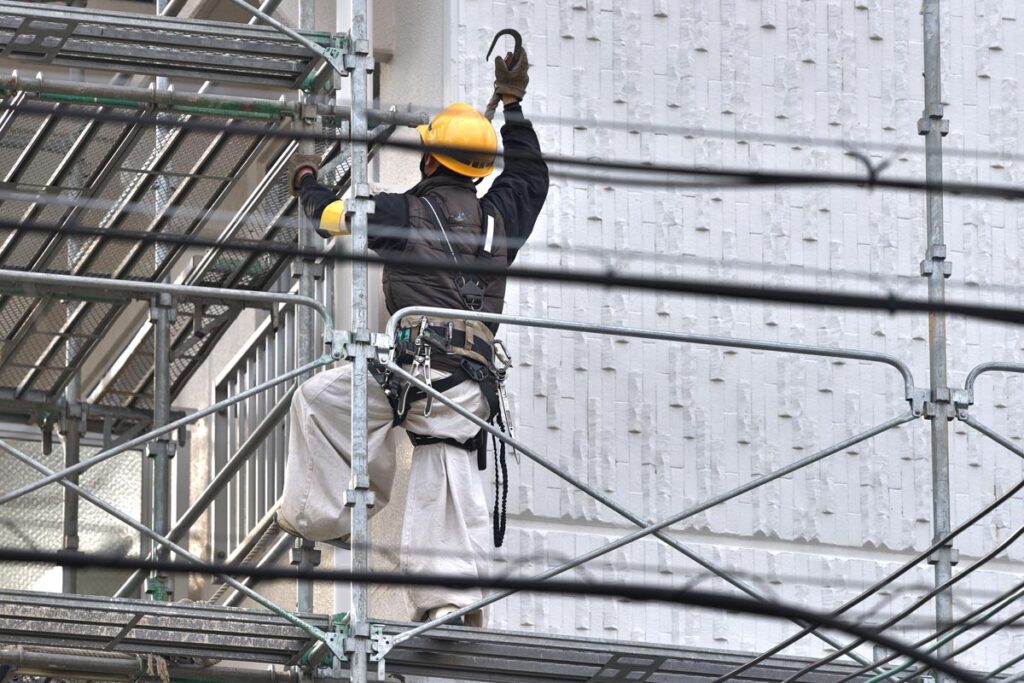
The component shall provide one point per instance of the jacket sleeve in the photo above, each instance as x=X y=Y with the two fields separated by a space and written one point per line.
x=390 y=216
x=518 y=194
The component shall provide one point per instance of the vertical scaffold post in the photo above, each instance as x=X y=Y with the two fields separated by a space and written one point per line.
x=72 y=436
x=72 y=419
x=360 y=498
x=161 y=450
x=304 y=553
x=161 y=313
x=936 y=268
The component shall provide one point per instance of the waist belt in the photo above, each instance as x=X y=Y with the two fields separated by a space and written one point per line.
x=447 y=340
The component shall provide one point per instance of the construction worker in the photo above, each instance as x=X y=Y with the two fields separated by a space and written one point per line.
x=447 y=523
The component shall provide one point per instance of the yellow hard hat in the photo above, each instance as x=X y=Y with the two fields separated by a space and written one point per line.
x=460 y=125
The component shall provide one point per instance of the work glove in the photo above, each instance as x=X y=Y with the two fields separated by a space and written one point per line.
x=509 y=80
x=512 y=74
x=297 y=165
x=322 y=206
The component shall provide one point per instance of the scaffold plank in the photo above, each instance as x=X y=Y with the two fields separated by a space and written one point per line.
x=156 y=46
x=199 y=631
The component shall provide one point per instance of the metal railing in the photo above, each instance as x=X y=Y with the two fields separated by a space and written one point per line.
x=162 y=296
x=256 y=429
x=914 y=396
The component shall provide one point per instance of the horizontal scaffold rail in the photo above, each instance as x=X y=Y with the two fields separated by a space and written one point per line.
x=157 y=46
x=115 y=627
x=45 y=88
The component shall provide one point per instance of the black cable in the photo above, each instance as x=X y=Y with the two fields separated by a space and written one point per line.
x=872 y=590
x=917 y=604
x=735 y=177
x=604 y=278
x=595 y=252
x=694 y=598
x=938 y=634
x=998 y=627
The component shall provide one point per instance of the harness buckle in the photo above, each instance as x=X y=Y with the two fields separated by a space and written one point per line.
x=476 y=371
x=436 y=341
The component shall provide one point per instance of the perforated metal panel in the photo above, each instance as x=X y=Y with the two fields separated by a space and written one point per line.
x=267 y=214
x=60 y=171
x=158 y=46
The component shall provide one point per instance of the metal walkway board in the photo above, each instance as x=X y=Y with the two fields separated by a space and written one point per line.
x=169 y=629
x=157 y=46
x=197 y=631
x=268 y=214
x=125 y=174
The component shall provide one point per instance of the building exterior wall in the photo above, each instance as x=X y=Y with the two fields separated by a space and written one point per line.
x=660 y=428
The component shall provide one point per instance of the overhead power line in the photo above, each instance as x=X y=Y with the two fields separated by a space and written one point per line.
x=608 y=277
x=642 y=592
x=874 y=589
x=920 y=602
x=618 y=255
x=648 y=174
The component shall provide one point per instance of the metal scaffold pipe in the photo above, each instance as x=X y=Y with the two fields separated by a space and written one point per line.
x=936 y=269
x=50 y=664
x=103 y=94
x=219 y=482
x=71 y=429
x=643 y=532
x=161 y=450
x=305 y=556
x=360 y=498
x=128 y=520
x=112 y=95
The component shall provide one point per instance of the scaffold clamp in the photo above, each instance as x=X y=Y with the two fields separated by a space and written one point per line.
x=378 y=641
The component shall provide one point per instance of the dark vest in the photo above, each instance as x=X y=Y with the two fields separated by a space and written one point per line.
x=460 y=212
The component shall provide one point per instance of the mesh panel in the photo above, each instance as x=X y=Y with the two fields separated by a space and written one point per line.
x=128 y=174
x=34 y=521
x=191 y=170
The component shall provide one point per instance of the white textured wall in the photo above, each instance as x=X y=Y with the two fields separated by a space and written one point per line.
x=660 y=428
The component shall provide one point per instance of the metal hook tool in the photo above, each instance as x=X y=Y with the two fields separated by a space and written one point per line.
x=516 y=36
x=492 y=106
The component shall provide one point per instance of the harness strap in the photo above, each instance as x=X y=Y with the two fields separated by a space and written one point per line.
x=467 y=371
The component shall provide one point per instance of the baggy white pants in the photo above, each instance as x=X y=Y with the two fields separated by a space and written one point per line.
x=447 y=526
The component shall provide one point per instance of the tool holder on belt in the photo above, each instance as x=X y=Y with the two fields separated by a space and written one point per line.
x=469 y=352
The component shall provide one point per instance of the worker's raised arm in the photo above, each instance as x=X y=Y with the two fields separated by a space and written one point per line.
x=322 y=206
x=517 y=194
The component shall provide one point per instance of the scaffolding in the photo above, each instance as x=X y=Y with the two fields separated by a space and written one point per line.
x=95 y=154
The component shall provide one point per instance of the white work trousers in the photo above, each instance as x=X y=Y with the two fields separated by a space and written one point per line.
x=447 y=525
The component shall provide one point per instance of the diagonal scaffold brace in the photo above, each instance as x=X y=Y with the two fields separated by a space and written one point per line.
x=330 y=640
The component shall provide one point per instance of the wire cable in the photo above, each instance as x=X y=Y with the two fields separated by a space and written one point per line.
x=998 y=627
x=660 y=175
x=639 y=592
x=608 y=277
x=1006 y=665
x=942 y=636
x=623 y=255
x=741 y=136
x=903 y=569
x=916 y=605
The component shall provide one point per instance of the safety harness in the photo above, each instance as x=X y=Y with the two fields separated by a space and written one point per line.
x=469 y=352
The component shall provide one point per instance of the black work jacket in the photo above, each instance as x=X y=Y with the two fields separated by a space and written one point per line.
x=517 y=195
